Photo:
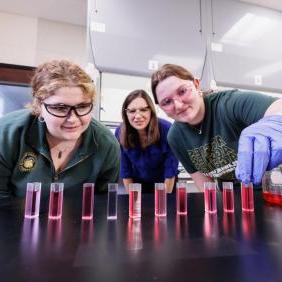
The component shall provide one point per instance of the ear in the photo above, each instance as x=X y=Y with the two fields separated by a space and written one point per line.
x=197 y=83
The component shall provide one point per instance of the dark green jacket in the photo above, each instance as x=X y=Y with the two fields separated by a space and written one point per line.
x=25 y=156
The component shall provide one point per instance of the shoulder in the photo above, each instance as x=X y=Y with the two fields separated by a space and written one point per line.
x=164 y=125
x=176 y=129
x=117 y=132
x=103 y=135
x=15 y=120
x=234 y=95
x=222 y=96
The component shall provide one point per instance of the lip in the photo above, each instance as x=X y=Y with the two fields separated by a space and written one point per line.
x=181 y=113
x=138 y=123
x=71 y=129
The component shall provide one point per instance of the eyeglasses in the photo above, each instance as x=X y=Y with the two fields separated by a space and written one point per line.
x=182 y=93
x=142 y=111
x=62 y=110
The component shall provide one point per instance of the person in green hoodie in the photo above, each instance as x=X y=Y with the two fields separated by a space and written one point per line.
x=57 y=139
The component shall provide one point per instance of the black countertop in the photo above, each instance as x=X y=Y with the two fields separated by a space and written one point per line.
x=196 y=247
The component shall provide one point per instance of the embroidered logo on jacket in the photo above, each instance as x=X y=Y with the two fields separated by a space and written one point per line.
x=28 y=161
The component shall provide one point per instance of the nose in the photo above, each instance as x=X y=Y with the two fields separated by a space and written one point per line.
x=72 y=115
x=138 y=114
x=177 y=104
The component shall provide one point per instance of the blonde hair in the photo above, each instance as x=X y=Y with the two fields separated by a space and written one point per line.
x=55 y=74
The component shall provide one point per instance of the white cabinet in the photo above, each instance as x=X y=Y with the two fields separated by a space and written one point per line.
x=134 y=37
x=247 y=45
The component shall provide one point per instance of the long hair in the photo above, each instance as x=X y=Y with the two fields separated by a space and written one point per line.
x=129 y=137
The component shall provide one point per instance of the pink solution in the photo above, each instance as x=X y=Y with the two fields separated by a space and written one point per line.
x=160 y=202
x=32 y=203
x=228 y=200
x=55 y=204
x=181 y=200
x=88 y=201
x=210 y=200
x=247 y=197
x=134 y=204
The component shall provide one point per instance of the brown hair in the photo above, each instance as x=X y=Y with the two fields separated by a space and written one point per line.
x=55 y=74
x=128 y=135
x=166 y=71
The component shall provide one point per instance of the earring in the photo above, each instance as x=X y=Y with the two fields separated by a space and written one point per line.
x=41 y=119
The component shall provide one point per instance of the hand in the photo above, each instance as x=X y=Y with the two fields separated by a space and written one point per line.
x=260 y=149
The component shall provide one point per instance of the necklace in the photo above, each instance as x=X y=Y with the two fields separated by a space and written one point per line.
x=60 y=150
x=198 y=128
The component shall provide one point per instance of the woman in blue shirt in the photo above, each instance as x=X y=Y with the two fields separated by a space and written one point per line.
x=146 y=157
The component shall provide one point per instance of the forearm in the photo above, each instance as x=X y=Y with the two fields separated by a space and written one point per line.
x=126 y=182
x=169 y=183
x=199 y=180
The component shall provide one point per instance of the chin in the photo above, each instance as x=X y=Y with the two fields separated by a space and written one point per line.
x=71 y=136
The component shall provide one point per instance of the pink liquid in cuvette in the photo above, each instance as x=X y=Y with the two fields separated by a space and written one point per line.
x=160 y=202
x=247 y=197
x=181 y=200
x=32 y=200
x=56 y=204
x=210 y=200
x=88 y=201
x=228 y=200
x=134 y=204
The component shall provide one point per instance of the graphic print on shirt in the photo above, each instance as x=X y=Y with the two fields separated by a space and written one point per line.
x=215 y=159
x=28 y=161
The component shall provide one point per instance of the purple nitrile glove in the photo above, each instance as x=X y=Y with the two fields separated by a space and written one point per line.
x=260 y=149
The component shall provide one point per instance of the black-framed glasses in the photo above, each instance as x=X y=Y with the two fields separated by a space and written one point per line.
x=142 y=111
x=62 y=110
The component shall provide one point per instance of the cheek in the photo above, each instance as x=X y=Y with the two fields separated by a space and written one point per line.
x=86 y=121
x=130 y=120
x=52 y=123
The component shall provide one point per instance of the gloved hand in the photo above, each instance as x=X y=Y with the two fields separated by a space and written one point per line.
x=260 y=149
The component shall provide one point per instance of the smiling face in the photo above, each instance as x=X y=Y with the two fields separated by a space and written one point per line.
x=181 y=99
x=138 y=113
x=71 y=127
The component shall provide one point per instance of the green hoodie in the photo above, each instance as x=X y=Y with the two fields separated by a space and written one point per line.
x=25 y=156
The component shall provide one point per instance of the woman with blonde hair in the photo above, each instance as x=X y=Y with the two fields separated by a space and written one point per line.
x=58 y=140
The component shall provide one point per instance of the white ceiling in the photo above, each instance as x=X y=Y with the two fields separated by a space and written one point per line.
x=68 y=11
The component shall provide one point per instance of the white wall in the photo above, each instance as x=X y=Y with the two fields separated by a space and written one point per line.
x=30 y=41
x=18 y=36
x=60 y=40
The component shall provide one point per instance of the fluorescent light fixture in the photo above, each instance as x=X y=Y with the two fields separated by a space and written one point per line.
x=248 y=29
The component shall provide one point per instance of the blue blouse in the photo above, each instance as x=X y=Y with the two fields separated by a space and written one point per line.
x=152 y=164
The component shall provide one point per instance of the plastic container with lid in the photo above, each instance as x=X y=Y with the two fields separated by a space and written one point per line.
x=272 y=186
